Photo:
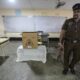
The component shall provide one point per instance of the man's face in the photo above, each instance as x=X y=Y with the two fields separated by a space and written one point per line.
x=76 y=14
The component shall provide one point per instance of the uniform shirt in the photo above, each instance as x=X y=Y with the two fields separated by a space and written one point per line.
x=72 y=29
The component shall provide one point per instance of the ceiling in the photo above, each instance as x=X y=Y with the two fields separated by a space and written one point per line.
x=36 y=4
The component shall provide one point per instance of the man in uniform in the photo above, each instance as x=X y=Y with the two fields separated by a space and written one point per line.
x=70 y=40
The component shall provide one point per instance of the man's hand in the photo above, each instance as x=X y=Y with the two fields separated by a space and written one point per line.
x=61 y=46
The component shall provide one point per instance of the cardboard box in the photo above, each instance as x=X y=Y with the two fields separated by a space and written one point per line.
x=30 y=39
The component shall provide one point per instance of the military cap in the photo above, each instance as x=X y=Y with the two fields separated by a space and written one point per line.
x=76 y=6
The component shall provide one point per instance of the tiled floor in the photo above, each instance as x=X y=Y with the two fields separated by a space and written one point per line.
x=33 y=70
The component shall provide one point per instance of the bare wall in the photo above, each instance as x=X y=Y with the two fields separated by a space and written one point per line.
x=26 y=12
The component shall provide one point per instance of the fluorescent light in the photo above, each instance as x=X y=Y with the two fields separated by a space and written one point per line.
x=12 y=1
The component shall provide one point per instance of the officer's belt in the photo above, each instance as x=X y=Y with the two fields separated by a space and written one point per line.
x=72 y=40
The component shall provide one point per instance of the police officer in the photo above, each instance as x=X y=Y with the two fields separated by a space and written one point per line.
x=70 y=40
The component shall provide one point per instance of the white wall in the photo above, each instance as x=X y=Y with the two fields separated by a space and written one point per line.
x=25 y=12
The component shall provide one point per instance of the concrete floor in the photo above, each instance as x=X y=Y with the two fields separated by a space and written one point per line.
x=33 y=70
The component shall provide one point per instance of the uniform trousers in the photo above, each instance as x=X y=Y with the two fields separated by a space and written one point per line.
x=71 y=49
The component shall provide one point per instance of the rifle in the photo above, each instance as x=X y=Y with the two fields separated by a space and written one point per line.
x=60 y=53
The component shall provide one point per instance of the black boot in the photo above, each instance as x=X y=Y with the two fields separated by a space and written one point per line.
x=65 y=71
x=72 y=70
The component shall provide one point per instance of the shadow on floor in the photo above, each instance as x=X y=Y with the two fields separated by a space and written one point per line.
x=40 y=68
x=3 y=59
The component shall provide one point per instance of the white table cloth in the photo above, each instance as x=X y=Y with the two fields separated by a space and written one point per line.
x=36 y=54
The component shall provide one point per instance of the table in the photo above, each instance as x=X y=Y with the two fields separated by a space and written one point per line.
x=36 y=54
x=3 y=42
